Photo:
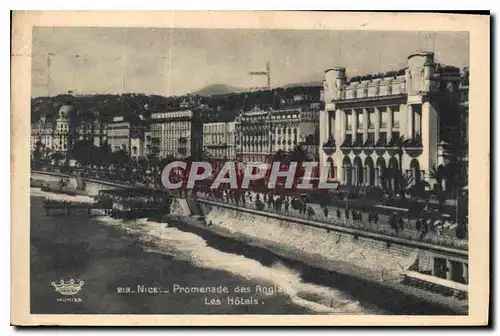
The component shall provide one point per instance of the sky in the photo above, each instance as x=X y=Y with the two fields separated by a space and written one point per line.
x=164 y=61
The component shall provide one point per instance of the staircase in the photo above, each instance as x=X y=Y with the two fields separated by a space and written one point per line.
x=194 y=207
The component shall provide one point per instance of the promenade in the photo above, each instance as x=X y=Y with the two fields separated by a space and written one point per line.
x=316 y=213
x=439 y=233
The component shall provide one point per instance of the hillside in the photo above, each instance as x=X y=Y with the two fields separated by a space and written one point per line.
x=218 y=89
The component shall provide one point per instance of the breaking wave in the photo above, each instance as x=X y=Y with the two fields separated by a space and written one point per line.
x=192 y=248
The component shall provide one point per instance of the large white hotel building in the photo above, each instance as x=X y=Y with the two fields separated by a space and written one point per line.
x=363 y=115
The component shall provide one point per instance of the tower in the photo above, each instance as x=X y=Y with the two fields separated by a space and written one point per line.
x=333 y=84
x=421 y=115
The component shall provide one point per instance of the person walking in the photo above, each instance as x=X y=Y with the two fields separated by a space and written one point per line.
x=400 y=222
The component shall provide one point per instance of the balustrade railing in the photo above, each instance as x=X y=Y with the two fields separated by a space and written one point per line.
x=379 y=228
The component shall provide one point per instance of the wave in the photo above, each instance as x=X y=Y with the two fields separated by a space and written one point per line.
x=192 y=248
x=60 y=197
x=332 y=247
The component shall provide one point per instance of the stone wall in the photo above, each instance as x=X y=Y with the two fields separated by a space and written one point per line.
x=180 y=207
x=386 y=255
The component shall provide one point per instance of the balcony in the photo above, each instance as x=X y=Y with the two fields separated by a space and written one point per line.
x=329 y=147
x=369 y=145
x=358 y=145
x=346 y=146
x=358 y=142
x=414 y=147
x=381 y=146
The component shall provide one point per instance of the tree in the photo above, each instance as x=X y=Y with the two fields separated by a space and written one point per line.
x=142 y=161
x=299 y=155
x=57 y=157
x=105 y=156
x=406 y=181
x=279 y=156
x=439 y=175
x=165 y=161
x=386 y=175
x=419 y=189
x=400 y=143
x=37 y=153
x=86 y=153
x=121 y=158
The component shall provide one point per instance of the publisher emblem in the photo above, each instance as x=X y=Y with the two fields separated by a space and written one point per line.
x=68 y=288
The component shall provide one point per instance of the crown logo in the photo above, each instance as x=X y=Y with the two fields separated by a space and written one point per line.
x=68 y=288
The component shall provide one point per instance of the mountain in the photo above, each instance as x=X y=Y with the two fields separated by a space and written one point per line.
x=218 y=89
x=223 y=89
x=307 y=84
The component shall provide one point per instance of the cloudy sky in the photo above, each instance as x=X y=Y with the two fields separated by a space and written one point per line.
x=178 y=61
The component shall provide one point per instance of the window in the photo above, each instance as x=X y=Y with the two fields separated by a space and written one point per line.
x=382 y=138
x=370 y=139
x=359 y=115
x=396 y=115
x=349 y=121
x=348 y=138
x=371 y=118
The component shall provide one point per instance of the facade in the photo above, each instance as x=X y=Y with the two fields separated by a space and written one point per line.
x=42 y=131
x=253 y=129
x=364 y=116
x=296 y=126
x=177 y=133
x=92 y=129
x=219 y=141
x=260 y=134
x=147 y=142
x=118 y=134
x=60 y=138
x=127 y=134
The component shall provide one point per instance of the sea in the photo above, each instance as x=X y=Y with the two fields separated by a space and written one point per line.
x=147 y=267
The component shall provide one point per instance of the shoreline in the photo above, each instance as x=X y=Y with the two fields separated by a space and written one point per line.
x=392 y=295
x=108 y=256
x=413 y=296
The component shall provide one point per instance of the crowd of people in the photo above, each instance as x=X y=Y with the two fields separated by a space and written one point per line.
x=425 y=223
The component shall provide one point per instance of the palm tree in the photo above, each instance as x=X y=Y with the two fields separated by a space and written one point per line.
x=37 y=153
x=386 y=175
x=400 y=143
x=439 y=174
x=406 y=181
x=298 y=154
x=279 y=156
